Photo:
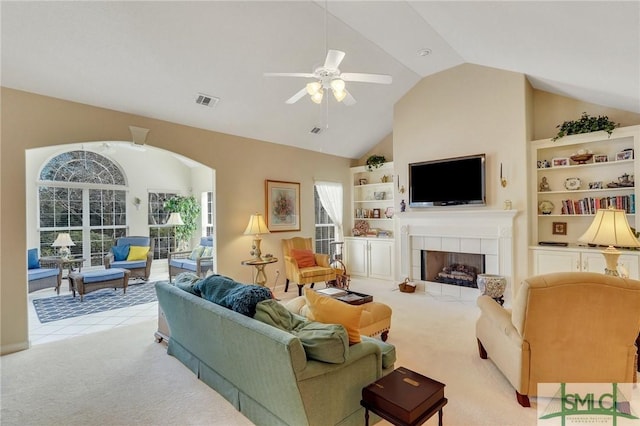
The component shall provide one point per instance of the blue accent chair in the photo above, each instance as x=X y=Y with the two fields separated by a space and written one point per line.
x=118 y=255
x=42 y=273
x=192 y=260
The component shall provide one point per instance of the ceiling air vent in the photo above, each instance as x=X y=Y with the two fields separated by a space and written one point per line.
x=207 y=100
x=315 y=130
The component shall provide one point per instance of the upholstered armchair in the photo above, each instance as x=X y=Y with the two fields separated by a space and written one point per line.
x=302 y=266
x=568 y=327
x=132 y=253
x=199 y=260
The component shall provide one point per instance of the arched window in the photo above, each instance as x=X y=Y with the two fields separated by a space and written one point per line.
x=82 y=193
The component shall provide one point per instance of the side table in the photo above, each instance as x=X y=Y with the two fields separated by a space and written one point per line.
x=404 y=398
x=259 y=264
x=72 y=264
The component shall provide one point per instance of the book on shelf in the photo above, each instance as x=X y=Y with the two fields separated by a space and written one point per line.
x=590 y=205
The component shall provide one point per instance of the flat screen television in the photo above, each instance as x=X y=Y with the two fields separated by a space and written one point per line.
x=448 y=182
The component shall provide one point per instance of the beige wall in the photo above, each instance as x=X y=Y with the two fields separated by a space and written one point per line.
x=241 y=165
x=384 y=148
x=551 y=110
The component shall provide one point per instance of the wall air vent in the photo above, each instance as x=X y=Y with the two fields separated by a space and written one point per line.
x=207 y=100
x=315 y=130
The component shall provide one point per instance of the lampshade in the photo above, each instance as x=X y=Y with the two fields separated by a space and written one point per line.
x=313 y=87
x=339 y=95
x=175 y=219
x=337 y=84
x=610 y=228
x=256 y=225
x=317 y=97
x=63 y=240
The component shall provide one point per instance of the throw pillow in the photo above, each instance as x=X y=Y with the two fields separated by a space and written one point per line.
x=304 y=258
x=196 y=253
x=332 y=311
x=32 y=259
x=322 y=342
x=186 y=281
x=138 y=253
x=233 y=295
x=120 y=253
x=207 y=252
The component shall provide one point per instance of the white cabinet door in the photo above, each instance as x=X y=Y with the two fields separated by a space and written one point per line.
x=593 y=262
x=546 y=262
x=356 y=256
x=381 y=259
x=630 y=264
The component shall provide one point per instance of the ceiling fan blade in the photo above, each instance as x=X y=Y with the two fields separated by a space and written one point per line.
x=334 y=57
x=288 y=74
x=348 y=100
x=295 y=98
x=366 y=78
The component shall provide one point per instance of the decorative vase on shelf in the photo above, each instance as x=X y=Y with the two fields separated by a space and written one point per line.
x=492 y=285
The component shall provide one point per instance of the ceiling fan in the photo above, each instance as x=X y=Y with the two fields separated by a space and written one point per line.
x=329 y=77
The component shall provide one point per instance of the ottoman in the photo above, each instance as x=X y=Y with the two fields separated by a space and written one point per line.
x=86 y=282
x=375 y=319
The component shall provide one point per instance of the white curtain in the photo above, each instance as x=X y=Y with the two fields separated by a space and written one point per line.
x=330 y=194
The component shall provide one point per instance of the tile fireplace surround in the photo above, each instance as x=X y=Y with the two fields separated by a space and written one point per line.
x=481 y=231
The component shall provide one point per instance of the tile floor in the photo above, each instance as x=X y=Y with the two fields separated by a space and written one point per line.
x=58 y=330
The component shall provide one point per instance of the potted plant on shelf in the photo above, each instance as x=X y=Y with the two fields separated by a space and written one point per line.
x=585 y=124
x=375 y=161
x=189 y=210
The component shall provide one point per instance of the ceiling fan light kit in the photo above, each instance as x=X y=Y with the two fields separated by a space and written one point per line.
x=329 y=76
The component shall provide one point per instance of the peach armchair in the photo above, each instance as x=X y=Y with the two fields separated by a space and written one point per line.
x=568 y=327
x=302 y=266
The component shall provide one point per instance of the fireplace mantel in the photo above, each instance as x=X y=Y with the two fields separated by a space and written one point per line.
x=484 y=231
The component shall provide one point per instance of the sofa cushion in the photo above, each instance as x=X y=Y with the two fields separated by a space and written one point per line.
x=196 y=253
x=304 y=258
x=186 y=281
x=125 y=264
x=233 y=295
x=102 y=275
x=332 y=311
x=137 y=253
x=32 y=259
x=322 y=342
x=207 y=252
x=120 y=253
x=38 y=273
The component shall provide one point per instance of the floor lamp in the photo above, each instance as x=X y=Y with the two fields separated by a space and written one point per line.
x=175 y=220
x=610 y=228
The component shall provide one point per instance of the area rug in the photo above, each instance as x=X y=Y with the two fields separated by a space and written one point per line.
x=61 y=307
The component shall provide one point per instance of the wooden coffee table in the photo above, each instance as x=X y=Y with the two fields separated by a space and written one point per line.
x=404 y=398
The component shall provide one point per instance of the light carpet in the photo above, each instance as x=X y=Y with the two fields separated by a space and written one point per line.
x=122 y=377
x=57 y=308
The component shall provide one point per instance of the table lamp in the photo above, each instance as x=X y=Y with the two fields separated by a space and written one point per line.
x=175 y=220
x=610 y=228
x=63 y=241
x=256 y=227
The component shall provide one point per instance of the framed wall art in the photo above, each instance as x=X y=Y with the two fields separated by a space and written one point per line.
x=559 y=228
x=282 y=201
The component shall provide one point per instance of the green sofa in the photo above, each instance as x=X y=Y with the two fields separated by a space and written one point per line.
x=264 y=371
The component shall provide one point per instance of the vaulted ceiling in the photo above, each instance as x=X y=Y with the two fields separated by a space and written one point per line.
x=154 y=58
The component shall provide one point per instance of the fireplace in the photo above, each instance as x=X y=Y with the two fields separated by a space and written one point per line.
x=484 y=232
x=459 y=269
